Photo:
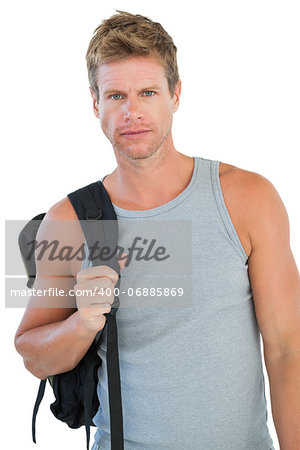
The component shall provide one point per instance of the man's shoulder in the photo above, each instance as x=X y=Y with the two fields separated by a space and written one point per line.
x=247 y=184
x=62 y=210
x=249 y=197
x=61 y=230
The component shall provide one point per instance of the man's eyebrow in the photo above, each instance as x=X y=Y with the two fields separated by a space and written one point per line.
x=118 y=91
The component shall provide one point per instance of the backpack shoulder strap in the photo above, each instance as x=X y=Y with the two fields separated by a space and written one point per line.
x=98 y=220
x=93 y=207
x=92 y=202
x=38 y=400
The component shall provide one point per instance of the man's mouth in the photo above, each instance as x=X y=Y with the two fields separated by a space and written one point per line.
x=135 y=134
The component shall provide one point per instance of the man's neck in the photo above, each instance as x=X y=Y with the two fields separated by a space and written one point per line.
x=150 y=186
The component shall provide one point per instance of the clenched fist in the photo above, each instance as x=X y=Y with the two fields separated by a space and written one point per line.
x=93 y=301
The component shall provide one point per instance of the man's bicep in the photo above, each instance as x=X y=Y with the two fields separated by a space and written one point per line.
x=58 y=245
x=53 y=298
x=274 y=276
x=54 y=280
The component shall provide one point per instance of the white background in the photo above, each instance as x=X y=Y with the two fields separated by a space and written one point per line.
x=239 y=65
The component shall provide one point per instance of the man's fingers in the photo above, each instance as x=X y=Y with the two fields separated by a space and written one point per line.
x=100 y=289
x=96 y=272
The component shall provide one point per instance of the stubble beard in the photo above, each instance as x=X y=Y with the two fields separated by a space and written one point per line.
x=153 y=147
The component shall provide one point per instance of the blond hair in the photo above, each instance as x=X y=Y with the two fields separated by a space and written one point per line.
x=123 y=35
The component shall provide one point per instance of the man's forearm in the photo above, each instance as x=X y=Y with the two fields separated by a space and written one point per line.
x=284 y=378
x=54 y=348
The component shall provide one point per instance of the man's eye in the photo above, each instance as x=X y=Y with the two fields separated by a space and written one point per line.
x=114 y=95
x=151 y=92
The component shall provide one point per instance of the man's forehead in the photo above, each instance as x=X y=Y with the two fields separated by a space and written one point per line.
x=144 y=69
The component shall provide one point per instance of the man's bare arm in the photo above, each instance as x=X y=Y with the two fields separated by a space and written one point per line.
x=54 y=339
x=275 y=285
x=54 y=348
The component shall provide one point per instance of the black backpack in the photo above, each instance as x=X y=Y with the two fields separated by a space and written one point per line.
x=75 y=391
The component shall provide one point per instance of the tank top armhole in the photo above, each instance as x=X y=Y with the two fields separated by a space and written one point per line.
x=217 y=190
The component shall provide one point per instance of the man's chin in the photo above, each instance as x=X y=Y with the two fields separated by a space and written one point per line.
x=135 y=153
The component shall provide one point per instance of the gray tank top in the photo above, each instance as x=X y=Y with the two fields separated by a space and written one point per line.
x=192 y=378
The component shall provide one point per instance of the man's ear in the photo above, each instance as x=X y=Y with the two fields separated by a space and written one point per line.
x=176 y=96
x=95 y=103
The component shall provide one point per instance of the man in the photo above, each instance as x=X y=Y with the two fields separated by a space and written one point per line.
x=191 y=378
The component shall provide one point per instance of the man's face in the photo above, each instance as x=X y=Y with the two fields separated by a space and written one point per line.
x=134 y=96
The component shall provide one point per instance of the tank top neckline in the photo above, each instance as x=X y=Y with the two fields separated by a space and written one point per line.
x=129 y=213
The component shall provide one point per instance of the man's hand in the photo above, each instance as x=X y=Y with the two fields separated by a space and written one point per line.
x=97 y=301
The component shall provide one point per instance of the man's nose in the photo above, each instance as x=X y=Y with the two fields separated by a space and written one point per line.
x=132 y=109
